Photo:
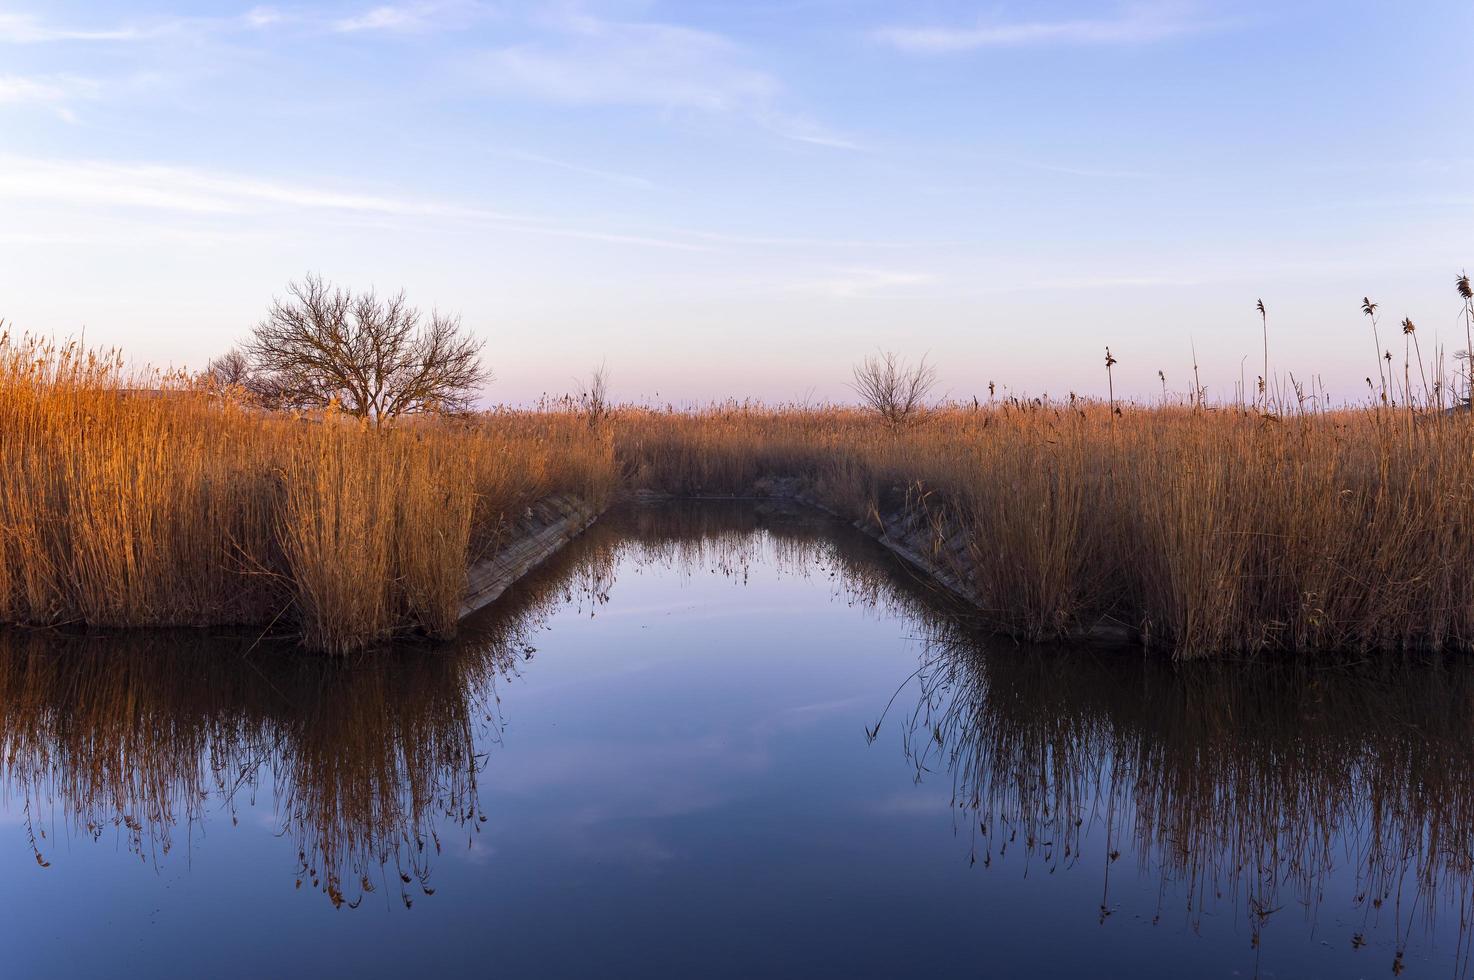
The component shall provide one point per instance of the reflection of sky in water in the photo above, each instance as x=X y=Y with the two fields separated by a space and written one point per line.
x=678 y=781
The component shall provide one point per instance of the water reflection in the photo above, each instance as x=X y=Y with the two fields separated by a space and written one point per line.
x=369 y=765
x=1335 y=798
x=143 y=739
x=1277 y=788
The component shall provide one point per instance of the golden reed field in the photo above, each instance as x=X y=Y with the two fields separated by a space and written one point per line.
x=129 y=501
x=1206 y=529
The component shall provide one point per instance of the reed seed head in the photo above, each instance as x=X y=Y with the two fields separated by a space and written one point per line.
x=1368 y=307
x=1463 y=285
x=1407 y=326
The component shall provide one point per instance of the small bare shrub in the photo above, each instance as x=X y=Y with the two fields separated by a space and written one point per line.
x=593 y=396
x=893 y=389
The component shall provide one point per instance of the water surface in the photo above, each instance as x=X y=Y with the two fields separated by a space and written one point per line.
x=720 y=740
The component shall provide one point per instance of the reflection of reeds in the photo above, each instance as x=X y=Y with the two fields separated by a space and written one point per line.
x=141 y=737
x=1252 y=781
x=371 y=761
x=729 y=537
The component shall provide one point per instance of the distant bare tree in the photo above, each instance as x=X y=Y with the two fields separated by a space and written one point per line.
x=230 y=370
x=593 y=396
x=893 y=389
x=377 y=358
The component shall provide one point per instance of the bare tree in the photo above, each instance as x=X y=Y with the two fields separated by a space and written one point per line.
x=893 y=389
x=593 y=396
x=377 y=358
x=230 y=370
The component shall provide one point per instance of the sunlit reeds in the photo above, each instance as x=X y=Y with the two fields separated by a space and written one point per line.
x=1194 y=528
x=142 y=500
x=1200 y=531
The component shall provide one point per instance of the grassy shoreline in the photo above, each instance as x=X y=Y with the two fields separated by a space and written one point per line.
x=157 y=501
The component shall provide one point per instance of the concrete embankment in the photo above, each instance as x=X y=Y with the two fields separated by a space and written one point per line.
x=905 y=529
x=920 y=537
x=937 y=550
x=533 y=538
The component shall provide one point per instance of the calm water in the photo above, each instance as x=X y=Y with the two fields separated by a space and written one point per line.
x=713 y=741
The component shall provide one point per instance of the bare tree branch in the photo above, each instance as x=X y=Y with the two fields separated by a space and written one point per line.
x=377 y=358
x=593 y=396
x=891 y=388
x=230 y=370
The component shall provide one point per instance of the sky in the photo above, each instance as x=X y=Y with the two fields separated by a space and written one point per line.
x=741 y=199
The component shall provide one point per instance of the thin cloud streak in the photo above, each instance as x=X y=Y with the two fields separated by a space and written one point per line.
x=557 y=164
x=782 y=241
x=857 y=283
x=1137 y=24
x=587 y=61
x=49 y=90
x=181 y=190
x=409 y=17
x=26 y=29
x=803 y=130
x=379 y=19
x=595 y=62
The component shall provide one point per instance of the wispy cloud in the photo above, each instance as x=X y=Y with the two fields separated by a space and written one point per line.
x=259 y=17
x=181 y=189
x=43 y=88
x=585 y=60
x=806 y=242
x=383 y=18
x=377 y=19
x=609 y=175
x=854 y=283
x=802 y=129
x=1134 y=24
x=590 y=62
x=1094 y=172
x=54 y=92
x=27 y=29
x=194 y=192
x=424 y=15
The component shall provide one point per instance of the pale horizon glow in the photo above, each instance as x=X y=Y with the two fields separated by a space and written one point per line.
x=741 y=199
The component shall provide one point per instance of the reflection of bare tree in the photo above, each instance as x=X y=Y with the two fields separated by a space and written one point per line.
x=1249 y=782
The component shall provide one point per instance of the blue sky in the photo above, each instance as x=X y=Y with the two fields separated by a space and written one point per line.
x=743 y=198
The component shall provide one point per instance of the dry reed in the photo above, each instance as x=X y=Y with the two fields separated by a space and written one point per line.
x=143 y=500
x=1202 y=532
x=149 y=501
